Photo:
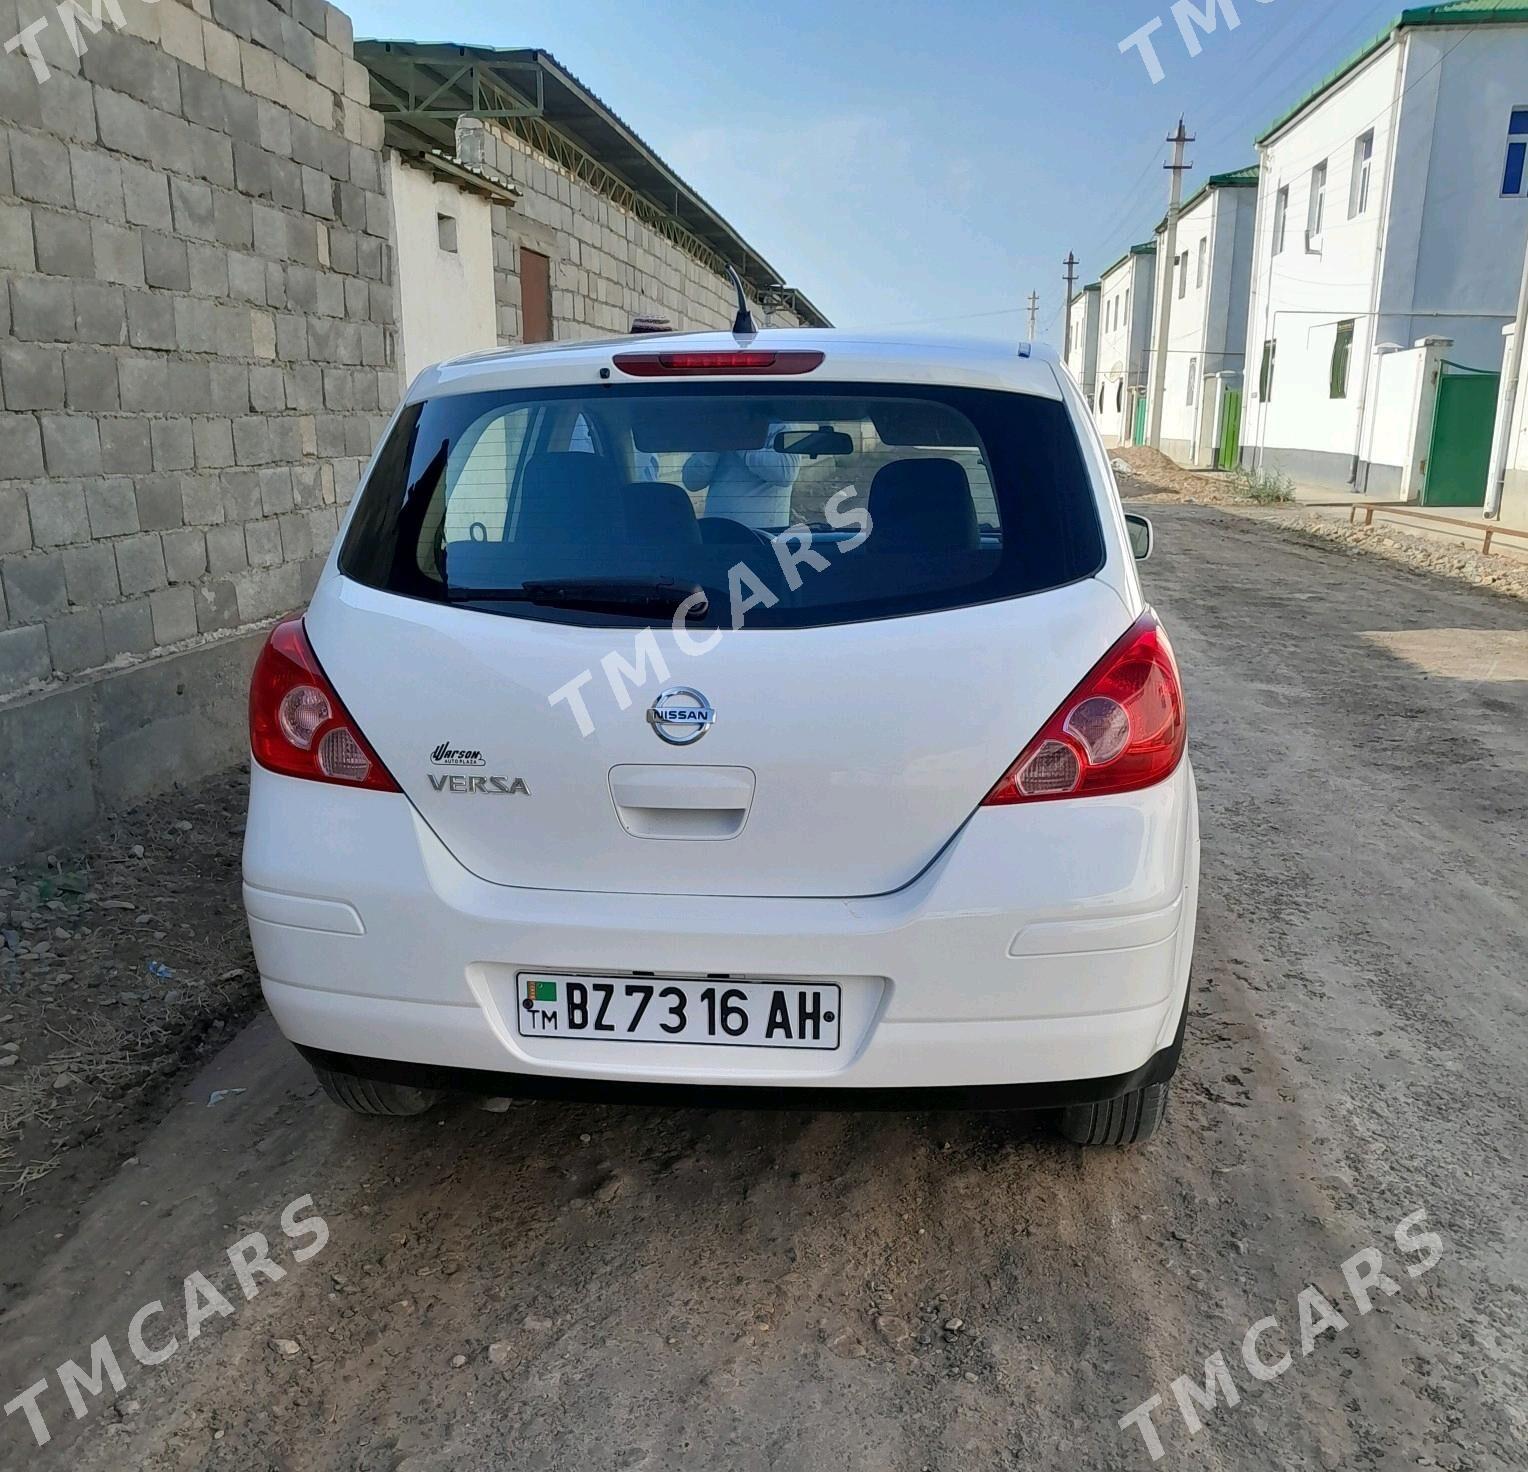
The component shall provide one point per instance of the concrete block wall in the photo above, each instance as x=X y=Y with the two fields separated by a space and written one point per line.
x=196 y=355
x=608 y=266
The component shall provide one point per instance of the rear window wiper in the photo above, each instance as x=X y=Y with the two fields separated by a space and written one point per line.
x=663 y=595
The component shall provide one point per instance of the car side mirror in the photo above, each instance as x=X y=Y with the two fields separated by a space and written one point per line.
x=1141 y=536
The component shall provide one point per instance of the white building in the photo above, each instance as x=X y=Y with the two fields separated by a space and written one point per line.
x=1209 y=282
x=1124 y=343
x=1392 y=216
x=1082 y=339
x=443 y=230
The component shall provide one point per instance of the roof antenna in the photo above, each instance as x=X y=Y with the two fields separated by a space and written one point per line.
x=742 y=325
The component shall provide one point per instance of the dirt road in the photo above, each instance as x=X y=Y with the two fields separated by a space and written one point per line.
x=589 y=1288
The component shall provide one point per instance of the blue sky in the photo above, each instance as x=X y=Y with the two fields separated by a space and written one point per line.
x=921 y=163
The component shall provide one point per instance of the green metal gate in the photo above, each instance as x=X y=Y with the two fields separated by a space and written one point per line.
x=1138 y=437
x=1459 y=458
x=1228 y=452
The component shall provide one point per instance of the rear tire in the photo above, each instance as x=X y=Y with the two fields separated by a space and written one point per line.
x=1128 y=1120
x=370 y=1096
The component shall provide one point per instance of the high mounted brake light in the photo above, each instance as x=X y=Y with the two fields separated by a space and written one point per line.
x=297 y=725
x=1121 y=729
x=734 y=361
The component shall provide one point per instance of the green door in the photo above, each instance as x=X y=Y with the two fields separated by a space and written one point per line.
x=1139 y=436
x=1229 y=451
x=1460 y=456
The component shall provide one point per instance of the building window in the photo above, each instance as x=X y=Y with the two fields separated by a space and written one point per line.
x=1193 y=378
x=445 y=232
x=1315 y=215
x=1127 y=303
x=1363 y=159
x=1516 y=176
x=1182 y=276
x=1204 y=250
x=1342 y=355
x=1280 y=219
x=1119 y=396
x=1265 y=373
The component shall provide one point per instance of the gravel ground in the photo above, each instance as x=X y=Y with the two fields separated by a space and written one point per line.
x=1155 y=478
x=572 y=1286
x=123 y=961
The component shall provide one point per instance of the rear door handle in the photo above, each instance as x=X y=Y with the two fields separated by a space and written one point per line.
x=682 y=801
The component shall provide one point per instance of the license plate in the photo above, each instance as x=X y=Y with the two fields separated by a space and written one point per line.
x=655 y=1009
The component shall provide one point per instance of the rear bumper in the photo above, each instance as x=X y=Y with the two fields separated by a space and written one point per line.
x=1054 y=1095
x=1045 y=955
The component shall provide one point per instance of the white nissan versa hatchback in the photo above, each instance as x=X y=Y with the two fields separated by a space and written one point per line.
x=769 y=719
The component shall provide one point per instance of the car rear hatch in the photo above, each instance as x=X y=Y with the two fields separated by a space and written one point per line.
x=839 y=763
x=822 y=727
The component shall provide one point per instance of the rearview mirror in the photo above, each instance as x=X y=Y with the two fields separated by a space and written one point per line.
x=824 y=440
x=1141 y=536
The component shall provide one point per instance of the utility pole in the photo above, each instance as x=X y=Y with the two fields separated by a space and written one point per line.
x=1034 y=313
x=1071 y=280
x=1512 y=392
x=1169 y=268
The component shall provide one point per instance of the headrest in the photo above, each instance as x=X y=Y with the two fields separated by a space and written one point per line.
x=922 y=505
x=569 y=497
x=658 y=511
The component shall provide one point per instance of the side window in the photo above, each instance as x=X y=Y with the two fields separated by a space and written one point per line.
x=1363 y=164
x=481 y=473
x=1280 y=218
x=1515 y=179
x=1315 y=214
x=1265 y=373
x=1204 y=248
x=581 y=437
x=1193 y=379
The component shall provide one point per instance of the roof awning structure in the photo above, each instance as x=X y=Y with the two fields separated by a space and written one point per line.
x=446 y=166
x=421 y=89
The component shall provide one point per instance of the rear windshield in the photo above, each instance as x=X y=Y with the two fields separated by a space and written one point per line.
x=726 y=504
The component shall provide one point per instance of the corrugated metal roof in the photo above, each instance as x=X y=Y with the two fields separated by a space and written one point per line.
x=1450 y=13
x=422 y=87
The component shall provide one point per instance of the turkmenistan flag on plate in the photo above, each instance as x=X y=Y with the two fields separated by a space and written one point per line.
x=540 y=991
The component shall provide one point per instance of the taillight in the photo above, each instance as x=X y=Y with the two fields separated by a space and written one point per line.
x=747 y=361
x=1121 y=729
x=297 y=724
